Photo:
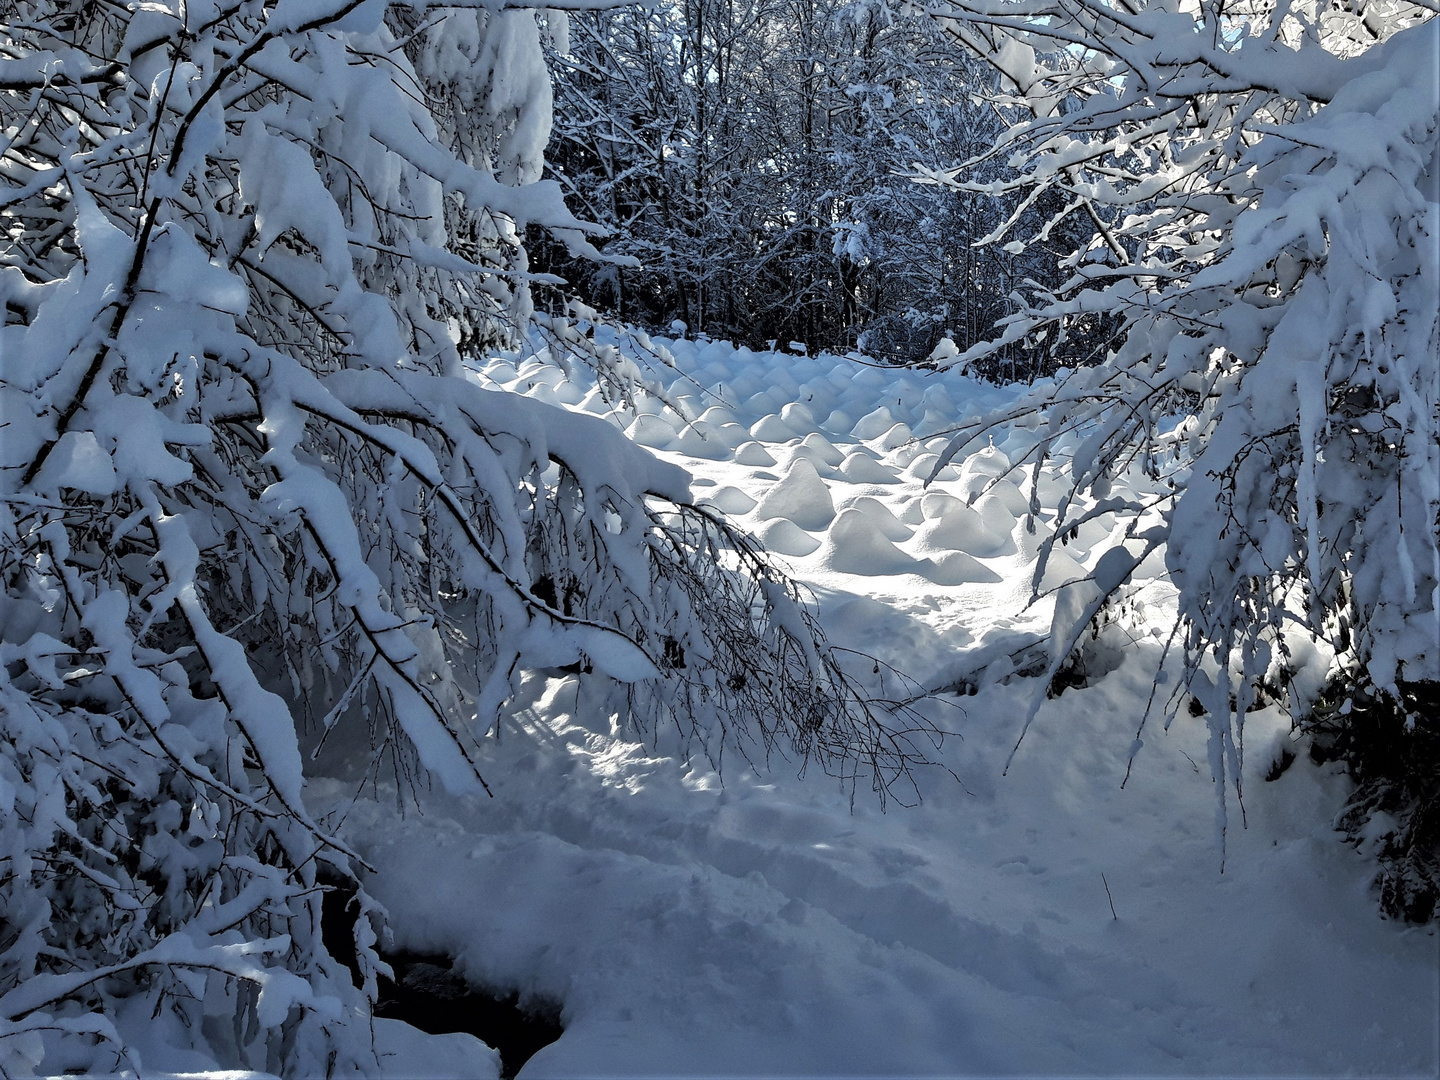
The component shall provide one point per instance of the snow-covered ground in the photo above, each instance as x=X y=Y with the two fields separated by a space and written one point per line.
x=756 y=923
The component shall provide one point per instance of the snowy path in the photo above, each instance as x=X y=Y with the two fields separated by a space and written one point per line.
x=761 y=927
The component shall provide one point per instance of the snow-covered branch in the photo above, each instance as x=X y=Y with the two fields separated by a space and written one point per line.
x=1269 y=182
x=253 y=508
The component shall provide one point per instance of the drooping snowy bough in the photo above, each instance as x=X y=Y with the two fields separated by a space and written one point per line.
x=249 y=493
x=1264 y=182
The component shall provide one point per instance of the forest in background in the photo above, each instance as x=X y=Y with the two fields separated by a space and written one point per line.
x=759 y=168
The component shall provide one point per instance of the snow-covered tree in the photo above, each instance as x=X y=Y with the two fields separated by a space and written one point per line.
x=752 y=163
x=920 y=271
x=699 y=133
x=1264 y=184
x=252 y=502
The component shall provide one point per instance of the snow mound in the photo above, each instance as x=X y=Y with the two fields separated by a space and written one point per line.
x=766 y=403
x=771 y=428
x=1010 y=496
x=979 y=469
x=881 y=517
x=405 y=1051
x=730 y=500
x=906 y=452
x=1061 y=569
x=819 y=448
x=752 y=453
x=801 y=496
x=922 y=468
x=957 y=568
x=936 y=504
x=798 y=417
x=856 y=544
x=784 y=537
x=895 y=437
x=958 y=528
x=700 y=440
x=717 y=416
x=999 y=521
x=652 y=431
x=874 y=424
x=934 y=421
x=861 y=467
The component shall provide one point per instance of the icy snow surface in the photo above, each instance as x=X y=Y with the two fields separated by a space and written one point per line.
x=754 y=924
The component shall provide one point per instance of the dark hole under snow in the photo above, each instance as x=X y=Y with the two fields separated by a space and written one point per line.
x=429 y=994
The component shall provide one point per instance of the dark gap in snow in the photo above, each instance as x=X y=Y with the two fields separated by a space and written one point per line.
x=1280 y=764
x=429 y=994
x=1094 y=658
x=337 y=922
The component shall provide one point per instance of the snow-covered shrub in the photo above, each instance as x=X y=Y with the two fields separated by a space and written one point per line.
x=249 y=493
x=1392 y=751
x=1264 y=181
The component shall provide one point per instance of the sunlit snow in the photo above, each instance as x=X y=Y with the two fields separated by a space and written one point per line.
x=754 y=922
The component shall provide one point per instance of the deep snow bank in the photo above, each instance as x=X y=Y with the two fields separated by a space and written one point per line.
x=754 y=924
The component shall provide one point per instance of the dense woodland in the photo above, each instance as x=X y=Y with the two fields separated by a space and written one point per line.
x=756 y=166
x=252 y=501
